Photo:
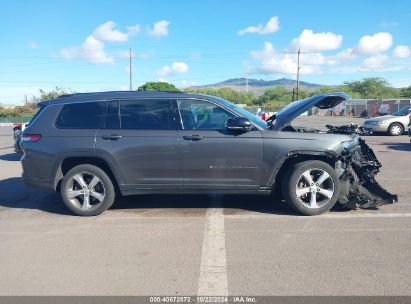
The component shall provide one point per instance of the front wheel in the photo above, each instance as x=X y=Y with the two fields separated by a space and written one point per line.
x=87 y=190
x=311 y=187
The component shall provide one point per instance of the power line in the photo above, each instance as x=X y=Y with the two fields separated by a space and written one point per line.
x=219 y=52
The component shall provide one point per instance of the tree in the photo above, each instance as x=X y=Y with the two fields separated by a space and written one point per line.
x=45 y=95
x=343 y=88
x=227 y=93
x=30 y=108
x=405 y=92
x=158 y=86
x=373 y=87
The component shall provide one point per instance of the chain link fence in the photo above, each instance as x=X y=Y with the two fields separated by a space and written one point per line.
x=11 y=120
x=374 y=107
x=353 y=107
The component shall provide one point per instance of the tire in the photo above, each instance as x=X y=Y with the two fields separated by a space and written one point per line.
x=395 y=129
x=302 y=192
x=87 y=190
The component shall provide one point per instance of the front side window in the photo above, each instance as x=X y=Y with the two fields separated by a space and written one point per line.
x=150 y=114
x=202 y=115
x=86 y=115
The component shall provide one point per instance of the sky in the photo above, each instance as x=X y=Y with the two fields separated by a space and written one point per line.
x=84 y=45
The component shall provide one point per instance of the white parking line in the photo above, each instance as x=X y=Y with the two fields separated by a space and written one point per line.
x=213 y=268
x=322 y=216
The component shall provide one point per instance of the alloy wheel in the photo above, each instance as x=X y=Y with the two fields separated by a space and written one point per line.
x=315 y=188
x=86 y=191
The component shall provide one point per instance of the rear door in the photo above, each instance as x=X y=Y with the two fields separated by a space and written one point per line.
x=141 y=141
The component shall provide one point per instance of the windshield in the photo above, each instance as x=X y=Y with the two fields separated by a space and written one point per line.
x=256 y=120
x=402 y=112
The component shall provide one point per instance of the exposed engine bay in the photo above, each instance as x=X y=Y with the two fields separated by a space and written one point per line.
x=345 y=129
x=357 y=168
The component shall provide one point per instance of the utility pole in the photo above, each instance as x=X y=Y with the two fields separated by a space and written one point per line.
x=298 y=72
x=246 y=85
x=131 y=70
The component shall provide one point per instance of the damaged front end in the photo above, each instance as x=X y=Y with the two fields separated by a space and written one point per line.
x=358 y=167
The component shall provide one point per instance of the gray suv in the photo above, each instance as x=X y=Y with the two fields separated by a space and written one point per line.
x=92 y=147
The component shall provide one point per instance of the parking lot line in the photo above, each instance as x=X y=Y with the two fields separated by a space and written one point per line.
x=323 y=216
x=213 y=268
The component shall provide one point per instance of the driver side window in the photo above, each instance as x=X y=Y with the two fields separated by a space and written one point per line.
x=202 y=115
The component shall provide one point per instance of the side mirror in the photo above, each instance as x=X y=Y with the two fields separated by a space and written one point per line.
x=239 y=124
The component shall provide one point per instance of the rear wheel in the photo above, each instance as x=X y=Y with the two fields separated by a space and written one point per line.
x=311 y=187
x=395 y=129
x=87 y=190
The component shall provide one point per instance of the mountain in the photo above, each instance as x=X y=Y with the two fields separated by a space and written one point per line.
x=258 y=86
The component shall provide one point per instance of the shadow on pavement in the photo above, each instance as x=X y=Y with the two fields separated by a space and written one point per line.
x=399 y=146
x=16 y=195
x=11 y=156
x=233 y=204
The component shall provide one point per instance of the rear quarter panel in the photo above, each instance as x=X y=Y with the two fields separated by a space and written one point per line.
x=42 y=159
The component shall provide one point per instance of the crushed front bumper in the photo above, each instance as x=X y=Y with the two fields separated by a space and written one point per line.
x=359 y=188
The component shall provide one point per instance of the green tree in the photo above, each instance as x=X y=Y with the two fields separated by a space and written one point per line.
x=277 y=97
x=373 y=87
x=343 y=88
x=158 y=86
x=405 y=92
x=30 y=108
x=45 y=95
x=26 y=110
x=227 y=93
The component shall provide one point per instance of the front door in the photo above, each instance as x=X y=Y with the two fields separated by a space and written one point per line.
x=214 y=157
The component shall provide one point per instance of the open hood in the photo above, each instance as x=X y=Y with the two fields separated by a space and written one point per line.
x=296 y=108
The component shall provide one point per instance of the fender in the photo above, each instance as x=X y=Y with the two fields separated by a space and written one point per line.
x=299 y=155
x=58 y=174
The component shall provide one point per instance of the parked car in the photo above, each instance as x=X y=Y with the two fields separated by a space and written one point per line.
x=394 y=124
x=91 y=147
x=17 y=131
x=409 y=131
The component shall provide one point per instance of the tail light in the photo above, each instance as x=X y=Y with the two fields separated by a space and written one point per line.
x=31 y=137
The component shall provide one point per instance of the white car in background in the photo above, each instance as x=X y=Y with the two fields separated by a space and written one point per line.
x=394 y=124
x=18 y=129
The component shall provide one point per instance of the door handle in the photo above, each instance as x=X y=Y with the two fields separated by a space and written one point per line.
x=112 y=137
x=193 y=137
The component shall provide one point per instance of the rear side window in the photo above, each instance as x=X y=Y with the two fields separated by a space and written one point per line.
x=41 y=109
x=87 y=115
x=151 y=114
x=112 y=115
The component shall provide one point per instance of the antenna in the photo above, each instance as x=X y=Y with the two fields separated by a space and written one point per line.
x=298 y=72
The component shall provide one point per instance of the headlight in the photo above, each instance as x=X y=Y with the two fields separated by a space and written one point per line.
x=374 y=123
x=350 y=143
